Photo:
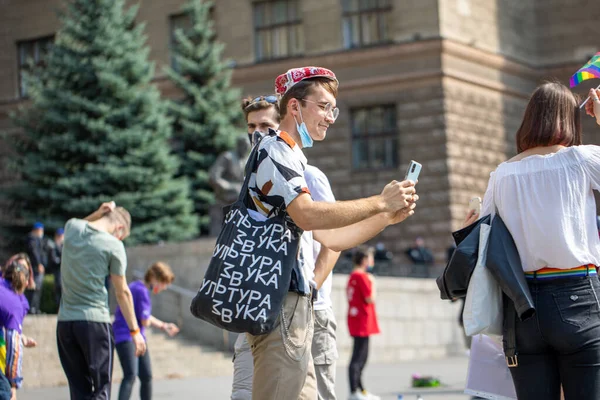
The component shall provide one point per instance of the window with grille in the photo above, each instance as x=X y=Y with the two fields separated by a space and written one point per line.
x=365 y=22
x=278 y=30
x=374 y=137
x=31 y=55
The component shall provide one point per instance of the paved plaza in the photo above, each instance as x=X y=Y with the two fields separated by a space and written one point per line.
x=385 y=380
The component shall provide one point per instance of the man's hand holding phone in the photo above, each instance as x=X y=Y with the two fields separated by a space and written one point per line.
x=401 y=215
x=409 y=195
x=397 y=195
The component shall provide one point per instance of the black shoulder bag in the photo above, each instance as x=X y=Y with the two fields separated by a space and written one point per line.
x=251 y=268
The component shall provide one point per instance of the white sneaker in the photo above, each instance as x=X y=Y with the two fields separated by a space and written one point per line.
x=358 y=395
x=370 y=396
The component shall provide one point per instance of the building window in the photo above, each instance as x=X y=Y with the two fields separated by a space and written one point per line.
x=31 y=54
x=278 y=31
x=177 y=21
x=374 y=138
x=365 y=22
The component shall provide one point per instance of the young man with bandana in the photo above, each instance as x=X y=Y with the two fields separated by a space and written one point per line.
x=262 y=114
x=283 y=365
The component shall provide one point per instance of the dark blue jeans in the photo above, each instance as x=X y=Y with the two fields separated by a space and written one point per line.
x=5 y=389
x=133 y=367
x=561 y=343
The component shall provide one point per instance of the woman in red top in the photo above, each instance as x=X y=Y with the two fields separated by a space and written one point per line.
x=362 y=319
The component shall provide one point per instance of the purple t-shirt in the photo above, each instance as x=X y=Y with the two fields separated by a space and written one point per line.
x=143 y=309
x=13 y=307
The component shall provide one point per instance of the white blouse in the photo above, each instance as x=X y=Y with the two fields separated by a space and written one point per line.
x=547 y=204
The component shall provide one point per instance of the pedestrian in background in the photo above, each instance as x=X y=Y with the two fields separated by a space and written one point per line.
x=92 y=250
x=54 y=248
x=362 y=319
x=13 y=308
x=39 y=260
x=157 y=278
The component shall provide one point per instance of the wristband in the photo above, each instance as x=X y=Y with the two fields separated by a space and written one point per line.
x=134 y=332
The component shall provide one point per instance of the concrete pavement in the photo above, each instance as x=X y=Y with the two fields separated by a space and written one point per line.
x=385 y=380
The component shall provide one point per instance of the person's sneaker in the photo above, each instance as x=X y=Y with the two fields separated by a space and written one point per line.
x=358 y=395
x=370 y=396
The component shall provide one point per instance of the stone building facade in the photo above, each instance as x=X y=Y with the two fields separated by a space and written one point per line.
x=443 y=82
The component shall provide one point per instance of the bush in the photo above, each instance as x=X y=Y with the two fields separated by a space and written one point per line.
x=48 y=303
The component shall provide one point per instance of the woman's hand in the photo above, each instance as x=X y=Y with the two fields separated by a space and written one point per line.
x=171 y=329
x=592 y=107
x=28 y=342
x=472 y=216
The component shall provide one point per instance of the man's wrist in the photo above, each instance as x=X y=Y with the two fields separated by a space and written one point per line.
x=380 y=204
x=134 y=332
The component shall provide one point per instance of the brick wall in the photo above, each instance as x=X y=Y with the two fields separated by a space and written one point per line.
x=568 y=31
x=499 y=26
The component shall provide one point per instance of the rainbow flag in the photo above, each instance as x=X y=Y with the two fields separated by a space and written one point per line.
x=590 y=70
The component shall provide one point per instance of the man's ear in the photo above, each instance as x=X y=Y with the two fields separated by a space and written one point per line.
x=120 y=231
x=294 y=106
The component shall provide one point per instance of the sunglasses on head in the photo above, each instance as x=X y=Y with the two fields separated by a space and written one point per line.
x=269 y=99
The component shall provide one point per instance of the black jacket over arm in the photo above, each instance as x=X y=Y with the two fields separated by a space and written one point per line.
x=503 y=262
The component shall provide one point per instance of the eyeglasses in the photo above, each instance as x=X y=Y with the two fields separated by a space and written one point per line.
x=328 y=108
x=269 y=99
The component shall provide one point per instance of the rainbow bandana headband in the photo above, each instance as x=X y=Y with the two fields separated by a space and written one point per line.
x=590 y=70
x=285 y=82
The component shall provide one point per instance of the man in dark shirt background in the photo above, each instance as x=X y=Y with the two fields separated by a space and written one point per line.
x=419 y=254
x=54 y=248
x=39 y=261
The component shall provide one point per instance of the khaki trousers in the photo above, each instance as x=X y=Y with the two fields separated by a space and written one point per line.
x=324 y=352
x=283 y=365
x=243 y=370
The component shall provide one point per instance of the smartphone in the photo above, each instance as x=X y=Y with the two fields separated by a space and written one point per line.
x=412 y=173
x=475 y=204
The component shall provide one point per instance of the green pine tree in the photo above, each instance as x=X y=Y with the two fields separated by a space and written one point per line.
x=208 y=117
x=97 y=130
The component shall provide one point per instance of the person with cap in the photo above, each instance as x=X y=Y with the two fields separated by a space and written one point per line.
x=262 y=114
x=283 y=365
x=39 y=261
x=54 y=248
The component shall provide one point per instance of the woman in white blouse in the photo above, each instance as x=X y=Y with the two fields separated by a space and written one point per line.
x=545 y=197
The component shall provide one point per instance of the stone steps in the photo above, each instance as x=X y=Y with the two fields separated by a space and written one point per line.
x=171 y=357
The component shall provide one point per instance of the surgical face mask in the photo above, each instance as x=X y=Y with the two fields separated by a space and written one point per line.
x=304 y=135
x=370 y=268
